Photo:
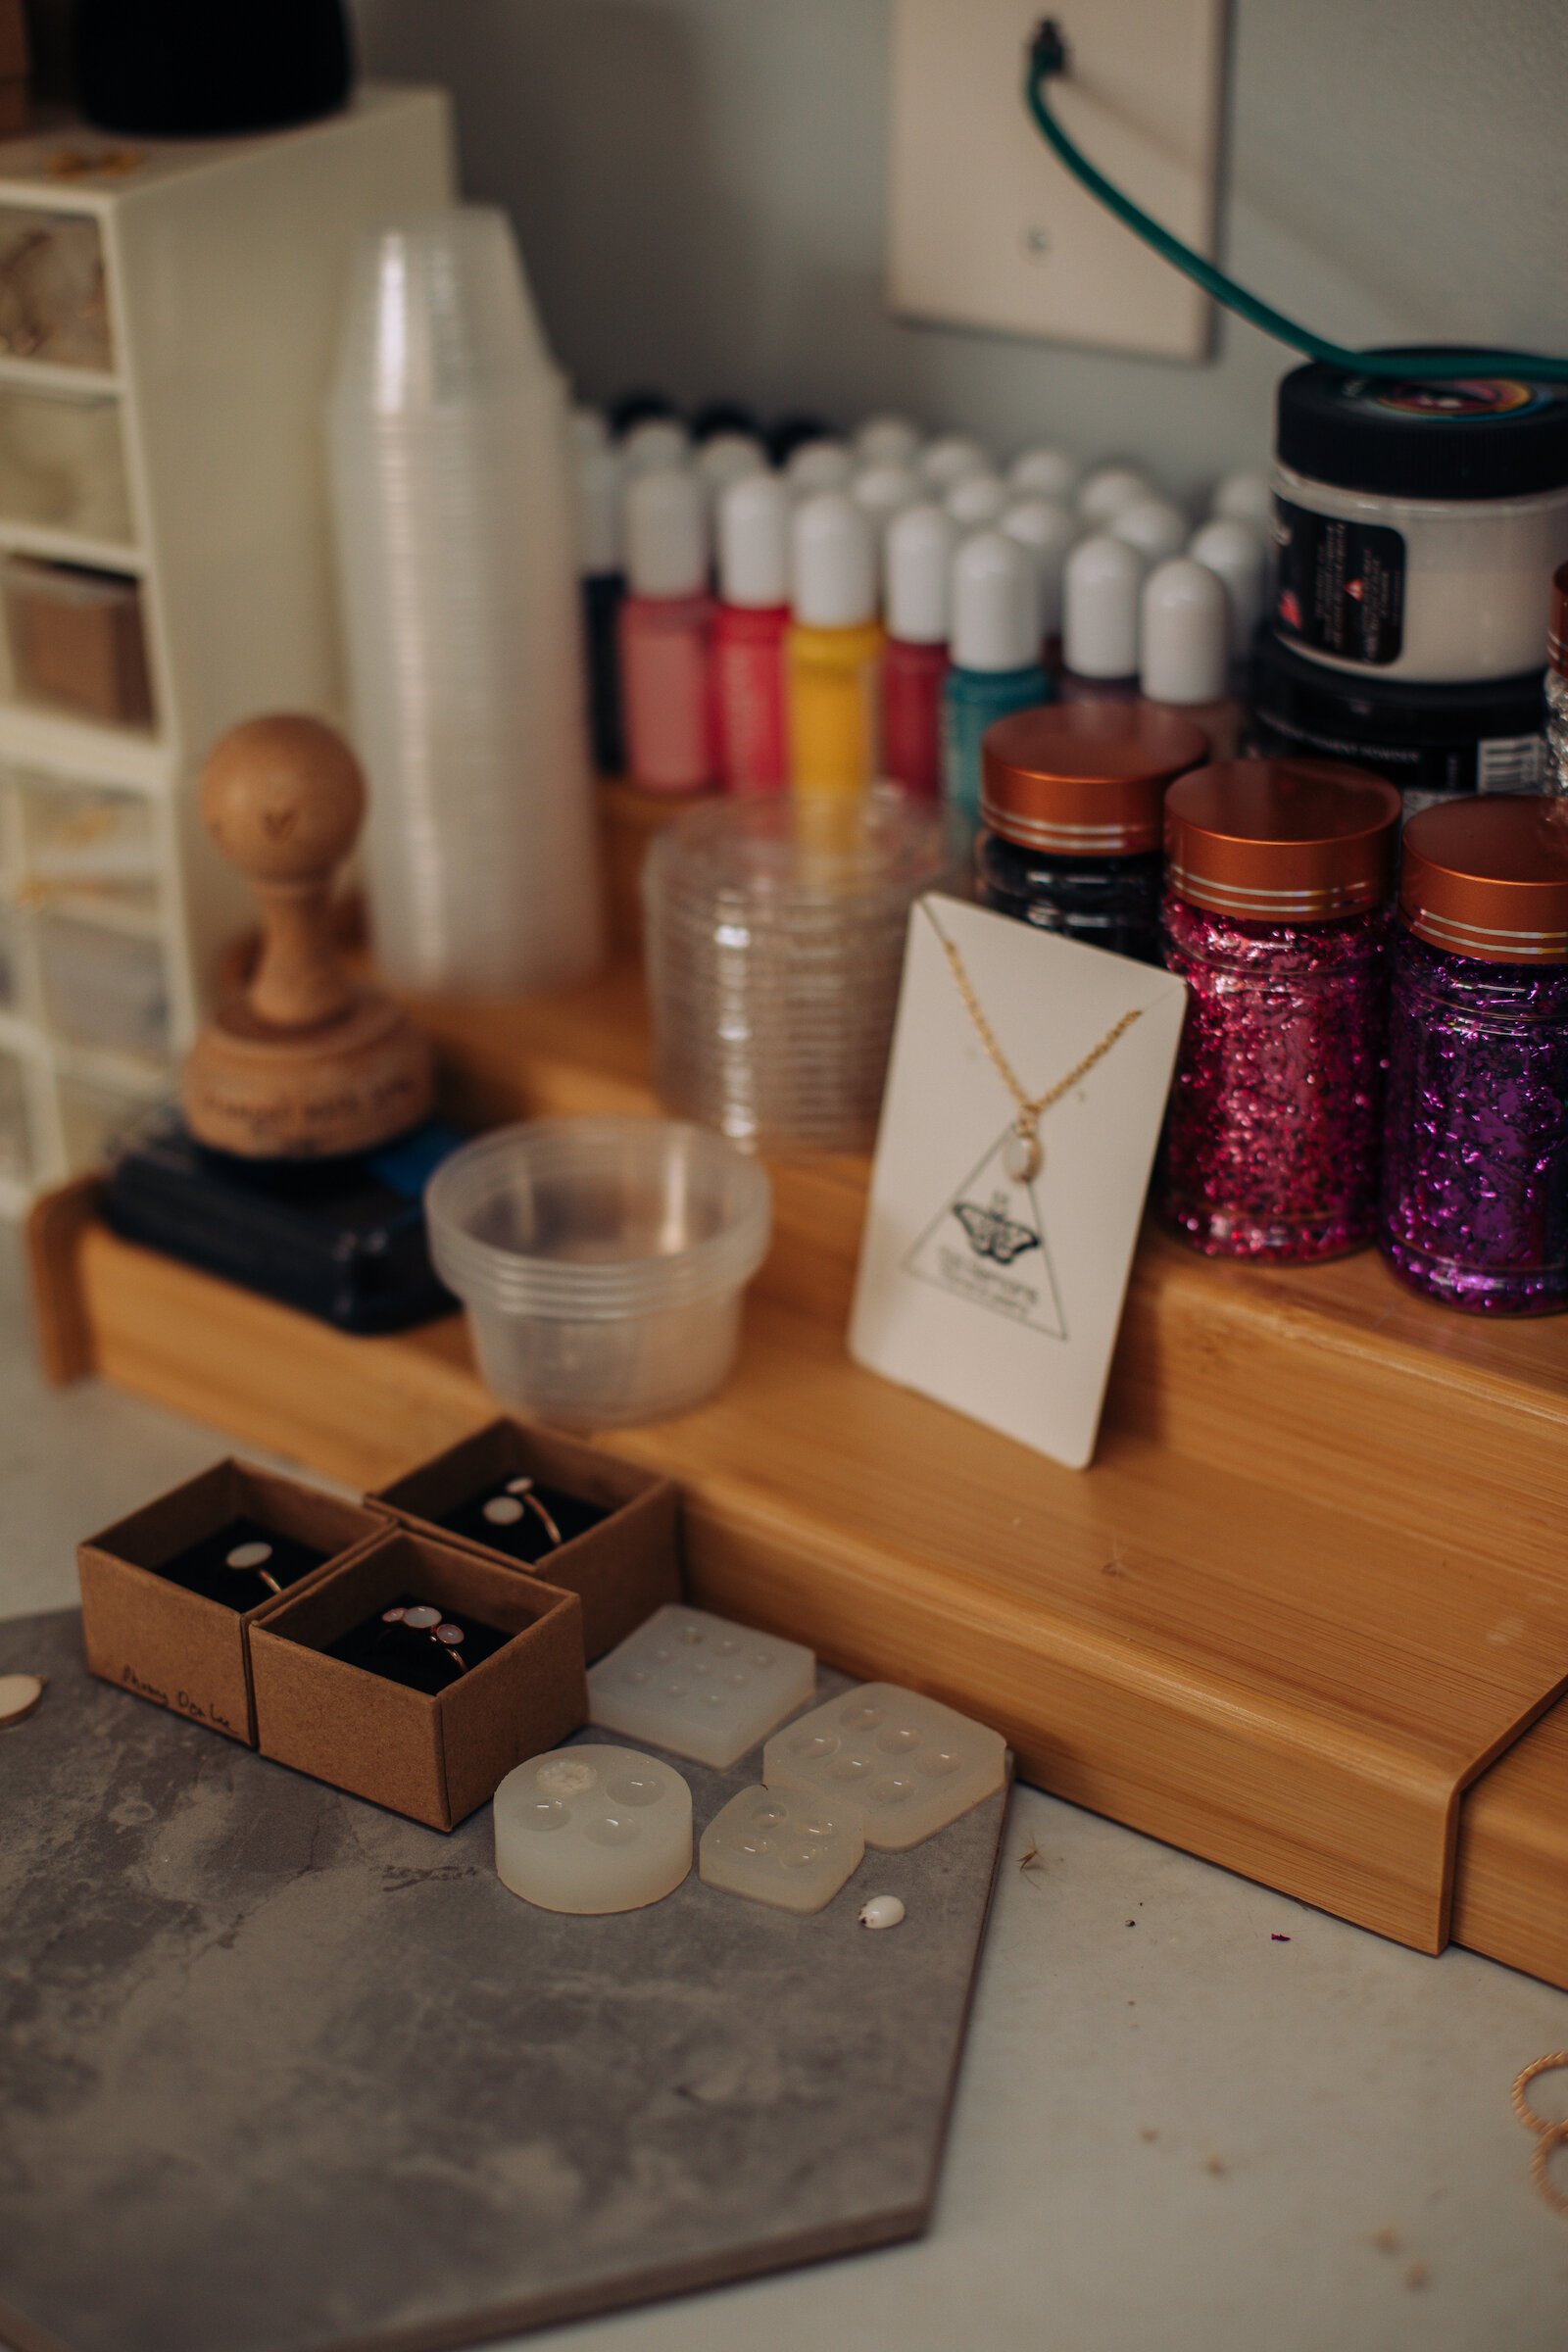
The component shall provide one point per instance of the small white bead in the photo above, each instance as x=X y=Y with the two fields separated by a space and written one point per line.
x=882 y=1911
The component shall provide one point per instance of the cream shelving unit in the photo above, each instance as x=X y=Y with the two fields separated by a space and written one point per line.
x=192 y=373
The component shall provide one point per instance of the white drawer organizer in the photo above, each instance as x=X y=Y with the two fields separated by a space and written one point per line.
x=168 y=319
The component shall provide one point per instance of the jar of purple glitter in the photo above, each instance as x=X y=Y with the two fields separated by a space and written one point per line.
x=1278 y=878
x=1474 y=1174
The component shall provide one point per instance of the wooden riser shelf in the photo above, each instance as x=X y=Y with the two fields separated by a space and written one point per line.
x=1311 y=1587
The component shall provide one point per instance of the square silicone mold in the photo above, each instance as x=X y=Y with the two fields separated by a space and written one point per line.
x=782 y=1847
x=908 y=1763
x=700 y=1685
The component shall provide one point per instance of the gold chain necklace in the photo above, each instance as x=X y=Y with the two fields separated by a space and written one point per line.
x=1024 y=1155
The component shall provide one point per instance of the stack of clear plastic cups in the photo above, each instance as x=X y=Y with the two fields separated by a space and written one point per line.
x=456 y=533
x=775 y=945
x=602 y=1261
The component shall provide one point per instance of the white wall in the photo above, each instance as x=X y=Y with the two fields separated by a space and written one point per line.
x=699 y=189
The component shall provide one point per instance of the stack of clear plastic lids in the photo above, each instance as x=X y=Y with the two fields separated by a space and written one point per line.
x=775 y=943
x=456 y=533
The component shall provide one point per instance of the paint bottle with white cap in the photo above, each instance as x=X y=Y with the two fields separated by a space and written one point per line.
x=833 y=648
x=1049 y=530
x=1102 y=583
x=665 y=632
x=653 y=443
x=1238 y=553
x=918 y=561
x=996 y=660
x=885 y=489
x=1185 y=650
x=726 y=458
x=948 y=458
x=1104 y=492
x=754 y=527
x=603 y=584
x=1155 y=526
x=887 y=440
x=976 y=501
x=1045 y=471
x=820 y=464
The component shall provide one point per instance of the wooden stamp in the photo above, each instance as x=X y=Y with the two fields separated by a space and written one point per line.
x=305 y=1062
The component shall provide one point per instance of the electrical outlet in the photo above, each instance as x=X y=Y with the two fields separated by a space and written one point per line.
x=986 y=229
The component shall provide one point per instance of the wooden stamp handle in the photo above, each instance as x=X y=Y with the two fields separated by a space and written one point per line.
x=284 y=799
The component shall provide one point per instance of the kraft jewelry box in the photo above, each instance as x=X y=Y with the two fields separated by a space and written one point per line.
x=508 y=1491
x=325 y=1663
x=168 y=1594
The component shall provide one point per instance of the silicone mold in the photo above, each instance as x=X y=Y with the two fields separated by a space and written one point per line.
x=591 y=1830
x=699 y=1686
x=908 y=1763
x=783 y=1847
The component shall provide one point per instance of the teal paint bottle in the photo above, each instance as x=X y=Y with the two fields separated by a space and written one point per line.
x=997 y=667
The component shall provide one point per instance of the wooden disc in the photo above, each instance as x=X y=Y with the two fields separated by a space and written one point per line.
x=20 y=1694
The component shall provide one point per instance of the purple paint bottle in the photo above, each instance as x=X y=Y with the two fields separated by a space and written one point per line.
x=1475 y=1180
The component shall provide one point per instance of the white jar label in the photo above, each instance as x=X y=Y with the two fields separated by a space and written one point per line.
x=1511 y=763
x=1339 y=585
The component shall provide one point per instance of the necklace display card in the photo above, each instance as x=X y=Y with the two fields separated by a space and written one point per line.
x=993 y=1290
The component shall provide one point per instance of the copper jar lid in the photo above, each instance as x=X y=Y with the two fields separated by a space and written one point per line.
x=1282 y=841
x=1488 y=876
x=1557 y=622
x=1085 y=779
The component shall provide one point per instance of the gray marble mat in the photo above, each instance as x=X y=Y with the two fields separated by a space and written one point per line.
x=280 y=2071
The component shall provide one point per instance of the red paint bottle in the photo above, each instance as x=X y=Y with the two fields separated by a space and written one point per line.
x=753 y=521
x=919 y=549
x=665 y=630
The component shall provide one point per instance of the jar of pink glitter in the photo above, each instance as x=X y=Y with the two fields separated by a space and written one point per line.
x=1475 y=1176
x=1276 y=915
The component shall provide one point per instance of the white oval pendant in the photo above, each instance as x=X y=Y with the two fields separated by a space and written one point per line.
x=1022 y=1156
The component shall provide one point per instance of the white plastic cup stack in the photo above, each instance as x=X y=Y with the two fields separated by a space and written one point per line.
x=454 y=503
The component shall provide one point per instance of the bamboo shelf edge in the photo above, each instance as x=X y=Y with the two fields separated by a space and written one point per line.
x=1327 y=1376
x=1340 y=1819
x=1511 y=1897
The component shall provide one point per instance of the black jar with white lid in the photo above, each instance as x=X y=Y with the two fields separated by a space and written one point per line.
x=1418 y=523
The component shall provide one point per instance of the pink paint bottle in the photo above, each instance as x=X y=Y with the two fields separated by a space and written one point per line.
x=754 y=527
x=918 y=558
x=666 y=627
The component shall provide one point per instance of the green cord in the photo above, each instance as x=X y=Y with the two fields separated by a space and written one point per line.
x=1048 y=60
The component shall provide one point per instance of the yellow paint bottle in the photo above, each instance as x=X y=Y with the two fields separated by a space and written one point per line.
x=833 y=650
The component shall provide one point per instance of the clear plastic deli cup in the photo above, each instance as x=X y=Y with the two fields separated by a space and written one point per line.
x=601 y=1263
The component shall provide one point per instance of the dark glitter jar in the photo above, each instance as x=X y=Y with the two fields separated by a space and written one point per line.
x=1072 y=812
x=1475 y=1168
x=1278 y=878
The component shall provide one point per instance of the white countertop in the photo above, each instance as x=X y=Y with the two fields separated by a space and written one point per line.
x=1235 y=2124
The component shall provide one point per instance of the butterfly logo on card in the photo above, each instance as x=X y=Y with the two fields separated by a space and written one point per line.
x=987 y=1245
